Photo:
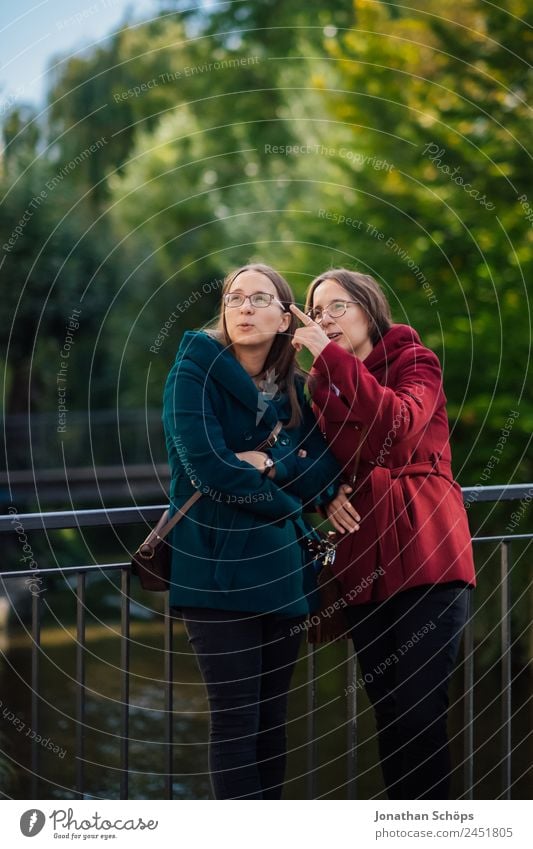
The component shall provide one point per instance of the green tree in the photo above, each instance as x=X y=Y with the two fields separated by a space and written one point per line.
x=442 y=94
x=51 y=249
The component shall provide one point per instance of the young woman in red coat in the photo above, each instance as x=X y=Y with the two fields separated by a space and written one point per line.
x=405 y=564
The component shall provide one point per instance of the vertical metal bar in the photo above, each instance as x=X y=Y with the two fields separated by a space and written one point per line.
x=35 y=664
x=468 y=716
x=169 y=701
x=506 y=668
x=351 y=725
x=80 y=683
x=311 y=721
x=125 y=682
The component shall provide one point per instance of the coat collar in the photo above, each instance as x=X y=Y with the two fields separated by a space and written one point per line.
x=220 y=365
x=394 y=342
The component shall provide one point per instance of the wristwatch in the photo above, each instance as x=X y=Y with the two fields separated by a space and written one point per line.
x=269 y=464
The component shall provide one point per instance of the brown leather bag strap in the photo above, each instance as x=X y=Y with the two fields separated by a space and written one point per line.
x=180 y=513
x=272 y=439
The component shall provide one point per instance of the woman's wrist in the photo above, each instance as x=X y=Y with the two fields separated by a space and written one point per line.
x=269 y=470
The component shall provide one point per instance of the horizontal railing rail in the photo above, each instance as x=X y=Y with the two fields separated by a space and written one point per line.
x=132 y=515
x=149 y=514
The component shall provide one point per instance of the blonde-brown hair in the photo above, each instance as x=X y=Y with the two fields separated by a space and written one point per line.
x=281 y=357
x=363 y=289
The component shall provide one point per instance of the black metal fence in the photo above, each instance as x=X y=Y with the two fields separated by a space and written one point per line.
x=148 y=515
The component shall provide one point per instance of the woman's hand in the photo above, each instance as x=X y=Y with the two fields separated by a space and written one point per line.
x=310 y=336
x=343 y=515
x=257 y=460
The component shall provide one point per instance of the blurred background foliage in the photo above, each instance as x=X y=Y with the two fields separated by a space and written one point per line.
x=187 y=119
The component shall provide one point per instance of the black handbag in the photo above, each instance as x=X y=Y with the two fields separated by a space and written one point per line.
x=152 y=561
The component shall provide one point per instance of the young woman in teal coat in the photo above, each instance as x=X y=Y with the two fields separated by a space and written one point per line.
x=241 y=575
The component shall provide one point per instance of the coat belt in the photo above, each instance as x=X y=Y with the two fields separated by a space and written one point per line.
x=381 y=481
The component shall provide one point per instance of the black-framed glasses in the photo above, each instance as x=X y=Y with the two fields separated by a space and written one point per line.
x=334 y=309
x=257 y=299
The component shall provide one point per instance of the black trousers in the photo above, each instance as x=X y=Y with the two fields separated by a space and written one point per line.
x=246 y=661
x=407 y=647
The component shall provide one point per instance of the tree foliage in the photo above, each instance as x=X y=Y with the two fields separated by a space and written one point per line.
x=386 y=138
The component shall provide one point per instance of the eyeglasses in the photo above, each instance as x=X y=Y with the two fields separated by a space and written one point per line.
x=335 y=309
x=258 y=299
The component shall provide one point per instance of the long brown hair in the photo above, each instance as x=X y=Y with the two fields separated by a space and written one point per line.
x=281 y=357
x=363 y=289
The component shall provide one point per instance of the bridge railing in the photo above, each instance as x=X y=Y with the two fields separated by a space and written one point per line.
x=113 y=517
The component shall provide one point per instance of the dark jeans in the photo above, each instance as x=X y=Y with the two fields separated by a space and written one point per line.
x=246 y=661
x=407 y=647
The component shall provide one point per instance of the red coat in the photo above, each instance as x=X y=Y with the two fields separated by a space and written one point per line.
x=414 y=528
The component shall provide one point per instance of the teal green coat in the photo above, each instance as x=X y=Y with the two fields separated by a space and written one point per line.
x=239 y=546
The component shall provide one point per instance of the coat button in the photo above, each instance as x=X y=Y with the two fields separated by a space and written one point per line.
x=284 y=439
x=247 y=436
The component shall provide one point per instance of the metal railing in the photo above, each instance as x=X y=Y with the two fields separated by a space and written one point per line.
x=148 y=515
